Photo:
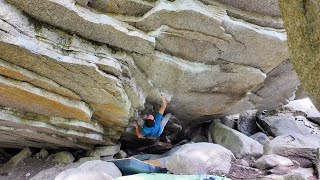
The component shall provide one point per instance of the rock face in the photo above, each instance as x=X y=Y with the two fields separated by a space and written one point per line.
x=238 y=143
x=73 y=73
x=302 y=24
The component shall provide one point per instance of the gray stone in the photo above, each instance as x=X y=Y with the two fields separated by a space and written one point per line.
x=182 y=80
x=42 y=154
x=104 y=151
x=215 y=159
x=261 y=137
x=294 y=145
x=278 y=88
x=238 y=143
x=63 y=157
x=271 y=161
x=13 y=162
x=282 y=124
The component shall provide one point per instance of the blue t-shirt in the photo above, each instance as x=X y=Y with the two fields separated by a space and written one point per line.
x=154 y=131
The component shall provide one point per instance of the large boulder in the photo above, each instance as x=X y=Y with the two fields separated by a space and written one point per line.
x=199 y=158
x=238 y=143
x=294 y=145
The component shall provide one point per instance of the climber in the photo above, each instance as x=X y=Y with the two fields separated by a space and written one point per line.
x=154 y=125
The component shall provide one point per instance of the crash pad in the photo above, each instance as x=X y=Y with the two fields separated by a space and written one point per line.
x=156 y=176
x=129 y=166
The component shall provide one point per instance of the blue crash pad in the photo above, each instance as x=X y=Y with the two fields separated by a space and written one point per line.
x=155 y=176
x=131 y=166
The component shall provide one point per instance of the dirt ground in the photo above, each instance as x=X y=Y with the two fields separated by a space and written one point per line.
x=28 y=168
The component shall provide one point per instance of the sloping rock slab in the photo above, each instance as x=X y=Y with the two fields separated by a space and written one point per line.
x=238 y=143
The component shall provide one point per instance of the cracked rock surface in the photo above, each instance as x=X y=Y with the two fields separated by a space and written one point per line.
x=75 y=73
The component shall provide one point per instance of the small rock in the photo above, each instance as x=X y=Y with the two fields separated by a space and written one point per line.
x=63 y=157
x=28 y=174
x=42 y=154
x=120 y=155
x=104 y=151
x=272 y=160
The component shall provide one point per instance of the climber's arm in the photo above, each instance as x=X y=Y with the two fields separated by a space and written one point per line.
x=138 y=133
x=164 y=105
